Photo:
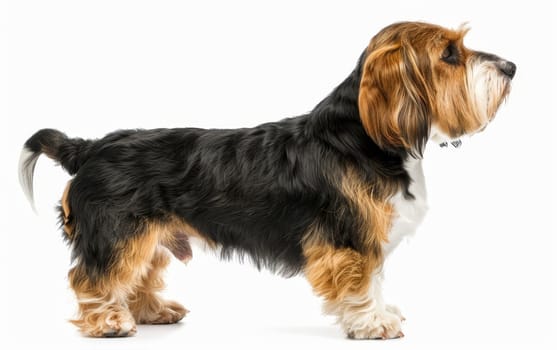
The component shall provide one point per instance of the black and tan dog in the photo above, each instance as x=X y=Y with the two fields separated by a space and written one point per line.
x=328 y=194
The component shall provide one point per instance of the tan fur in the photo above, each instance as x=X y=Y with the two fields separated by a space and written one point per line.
x=145 y=304
x=337 y=273
x=67 y=226
x=374 y=210
x=454 y=111
x=132 y=283
x=389 y=95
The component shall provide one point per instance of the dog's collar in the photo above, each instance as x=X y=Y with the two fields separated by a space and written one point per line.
x=456 y=143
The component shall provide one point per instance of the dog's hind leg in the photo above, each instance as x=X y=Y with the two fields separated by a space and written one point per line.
x=103 y=293
x=146 y=306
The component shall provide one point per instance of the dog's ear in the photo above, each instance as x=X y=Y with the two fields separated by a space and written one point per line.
x=394 y=100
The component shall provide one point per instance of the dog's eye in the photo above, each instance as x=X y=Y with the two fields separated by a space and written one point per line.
x=450 y=54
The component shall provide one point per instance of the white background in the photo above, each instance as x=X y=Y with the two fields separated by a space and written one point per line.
x=479 y=273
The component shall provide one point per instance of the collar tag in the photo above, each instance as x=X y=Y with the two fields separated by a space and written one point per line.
x=456 y=143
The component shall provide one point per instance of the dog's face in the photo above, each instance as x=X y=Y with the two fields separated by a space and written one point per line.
x=419 y=81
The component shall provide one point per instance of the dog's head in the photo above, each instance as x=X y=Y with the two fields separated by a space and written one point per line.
x=420 y=81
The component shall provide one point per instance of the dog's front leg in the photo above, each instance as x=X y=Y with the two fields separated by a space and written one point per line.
x=350 y=283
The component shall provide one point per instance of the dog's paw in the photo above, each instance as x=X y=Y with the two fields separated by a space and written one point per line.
x=111 y=323
x=380 y=325
x=171 y=312
x=119 y=324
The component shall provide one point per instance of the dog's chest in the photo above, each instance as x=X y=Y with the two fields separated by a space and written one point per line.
x=408 y=212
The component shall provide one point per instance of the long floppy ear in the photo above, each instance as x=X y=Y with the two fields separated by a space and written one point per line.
x=394 y=100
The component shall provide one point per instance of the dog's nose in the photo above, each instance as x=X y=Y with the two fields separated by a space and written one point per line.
x=508 y=68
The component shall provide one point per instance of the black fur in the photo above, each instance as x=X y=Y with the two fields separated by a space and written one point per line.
x=255 y=191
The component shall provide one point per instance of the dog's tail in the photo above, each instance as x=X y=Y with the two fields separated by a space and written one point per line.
x=70 y=153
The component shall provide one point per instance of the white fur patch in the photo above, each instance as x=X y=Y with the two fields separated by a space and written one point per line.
x=486 y=85
x=409 y=212
x=26 y=167
x=375 y=319
x=126 y=326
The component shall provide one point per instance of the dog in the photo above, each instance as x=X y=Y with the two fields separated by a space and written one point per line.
x=328 y=194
